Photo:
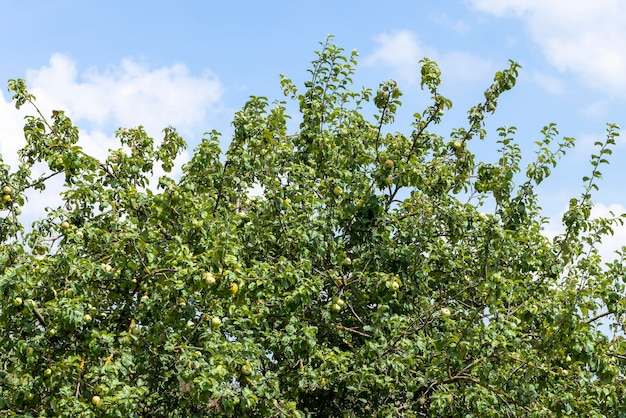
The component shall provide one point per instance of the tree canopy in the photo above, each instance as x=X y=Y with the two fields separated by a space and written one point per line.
x=378 y=273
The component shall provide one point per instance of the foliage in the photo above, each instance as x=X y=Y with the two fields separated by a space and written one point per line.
x=368 y=279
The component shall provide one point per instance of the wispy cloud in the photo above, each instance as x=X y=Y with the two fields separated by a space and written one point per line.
x=549 y=82
x=401 y=51
x=459 y=26
x=597 y=110
x=584 y=37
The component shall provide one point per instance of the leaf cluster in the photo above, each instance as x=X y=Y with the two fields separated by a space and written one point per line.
x=367 y=278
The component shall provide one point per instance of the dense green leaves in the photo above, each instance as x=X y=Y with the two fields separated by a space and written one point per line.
x=363 y=277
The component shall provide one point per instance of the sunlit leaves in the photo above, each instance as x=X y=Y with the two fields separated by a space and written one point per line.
x=340 y=270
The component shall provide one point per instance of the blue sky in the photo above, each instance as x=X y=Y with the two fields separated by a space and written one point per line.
x=192 y=64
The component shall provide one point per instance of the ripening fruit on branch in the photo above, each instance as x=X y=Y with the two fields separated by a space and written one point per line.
x=337 y=190
x=216 y=322
x=347 y=261
x=209 y=278
x=7 y=190
x=246 y=370
x=233 y=288
x=7 y=198
x=65 y=225
x=97 y=401
x=17 y=302
x=395 y=284
x=445 y=312
x=389 y=163
x=335 y=307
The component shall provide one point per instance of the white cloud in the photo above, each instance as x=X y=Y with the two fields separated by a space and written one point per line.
x=587 y=38
x=614 y=242
x=502 y=7
x=11 y=134
x=610 y=243
x=98 y=102
x=129 y=94
x=459 y=26
x=126 y=95
x=548 y=82
x=401 y=51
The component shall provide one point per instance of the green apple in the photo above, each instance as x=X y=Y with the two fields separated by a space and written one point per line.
x=445 y=312
x=246 y=370
x=65 y=225
x=389 y=163
x=337 y=190
x=7 y=190
x=335 y=307
x=395 y=284
x=97 y=401
x=216 y=321
x=17 y=302
x=209 y=278
x=87 y=318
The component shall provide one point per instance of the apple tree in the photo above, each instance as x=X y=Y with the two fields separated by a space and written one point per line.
x=376 y=273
